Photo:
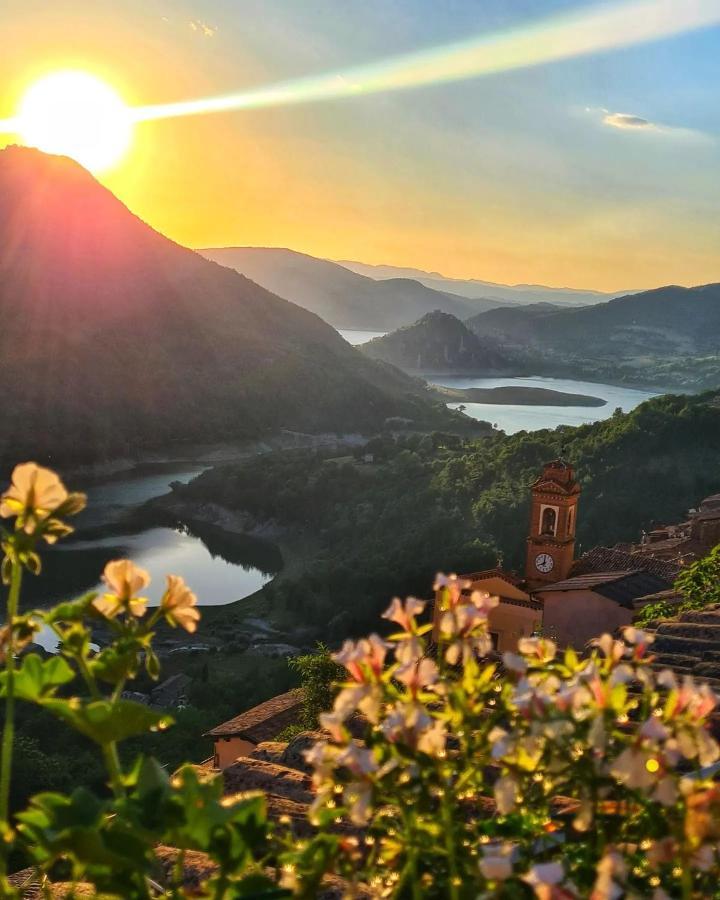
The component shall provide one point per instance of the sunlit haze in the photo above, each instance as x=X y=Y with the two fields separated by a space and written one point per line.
x=559 y=142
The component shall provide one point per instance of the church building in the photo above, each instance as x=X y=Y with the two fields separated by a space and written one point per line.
x=570 y=600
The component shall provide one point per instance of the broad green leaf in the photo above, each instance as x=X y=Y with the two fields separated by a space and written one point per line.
x=36 y=679
x=103 y=721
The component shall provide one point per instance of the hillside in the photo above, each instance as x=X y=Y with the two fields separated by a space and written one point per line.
x=507 y=294
x=438 y=343
x=339 y=296
x=431 y=504
x=114 y=338
x=669 y=320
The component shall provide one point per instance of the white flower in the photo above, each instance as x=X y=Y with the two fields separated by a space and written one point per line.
x=417 y=675
x=483 y=601
x=404 y=613
x=496 y=863
x=543 y=877
x=636 y=768
x=505 y=792
x=538 y=648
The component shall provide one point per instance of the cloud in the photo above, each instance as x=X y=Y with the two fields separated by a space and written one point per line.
x=625 y=120
x=632 y=123
x=203 y=28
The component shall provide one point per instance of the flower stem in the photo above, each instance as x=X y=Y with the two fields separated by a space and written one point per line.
x=8 y=735
x=446 y=814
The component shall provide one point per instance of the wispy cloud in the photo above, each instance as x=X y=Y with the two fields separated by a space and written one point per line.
x=203 y=28
x=633 y=123
x=628 y=121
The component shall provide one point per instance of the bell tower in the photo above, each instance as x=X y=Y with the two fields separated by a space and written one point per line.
x=553 y=514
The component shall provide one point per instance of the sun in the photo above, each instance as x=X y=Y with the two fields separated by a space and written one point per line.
x=75 y=114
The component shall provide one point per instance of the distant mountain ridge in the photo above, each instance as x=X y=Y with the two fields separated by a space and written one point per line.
x=666 y=321
x=504 y=294
x=439 y=342
x=342 y=298
x=115 y=338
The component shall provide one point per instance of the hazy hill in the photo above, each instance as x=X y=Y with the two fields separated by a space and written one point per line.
x=472 y=287
x=343 y=298
x=668 y=320
x=113 y=337
x=439 y=342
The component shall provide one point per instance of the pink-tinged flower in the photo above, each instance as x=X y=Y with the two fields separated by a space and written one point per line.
x=359 y=761
x=452 y=588
x=404 y=613
x=687 y=699
x=469 y=628
x=537 y=649
x=124 y=580
x=409 y=650
x=334 y=724
x=506 y=792
x=418 y=675
x=34 y=492
x=496 y=863
x=611 y=649
x=363 y=697
x=364 y=660
x=639 y=640
x=410 y=725
x=483 y=601
x=178 y=603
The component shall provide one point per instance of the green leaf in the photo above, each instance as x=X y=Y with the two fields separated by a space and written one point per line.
x=104 y=722
x=36 y=679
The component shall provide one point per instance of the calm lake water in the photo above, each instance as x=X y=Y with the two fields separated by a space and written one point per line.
x=512 y=418
x=218 y=569
x=359 y=337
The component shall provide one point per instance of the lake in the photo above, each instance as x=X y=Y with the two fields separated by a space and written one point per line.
x=219 y=569
x=513 y=418
x=356 y=337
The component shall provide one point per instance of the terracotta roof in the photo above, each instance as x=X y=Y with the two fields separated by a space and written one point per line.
x=669 y=596
x=263 y=722
x=621 y=587
x=607 y=559
x=497 y=572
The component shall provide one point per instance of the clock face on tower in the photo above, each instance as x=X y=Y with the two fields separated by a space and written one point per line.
x=544 y=563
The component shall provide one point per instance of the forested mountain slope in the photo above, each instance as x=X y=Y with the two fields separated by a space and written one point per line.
x=115 y=338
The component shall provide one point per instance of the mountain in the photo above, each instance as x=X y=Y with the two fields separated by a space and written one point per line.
x=341 y=297
x=666 y=321
x=501 y=293
x=114 y=338
x=439 y=342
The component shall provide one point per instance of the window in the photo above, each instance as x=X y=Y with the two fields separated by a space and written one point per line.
x=548 y=520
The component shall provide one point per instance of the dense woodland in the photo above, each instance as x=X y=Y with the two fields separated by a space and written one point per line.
x=437 y=502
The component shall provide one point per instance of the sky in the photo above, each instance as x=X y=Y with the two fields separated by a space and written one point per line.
x=598 y=171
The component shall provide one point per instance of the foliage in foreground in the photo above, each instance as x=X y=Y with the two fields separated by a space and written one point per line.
x=699 y=586
x=557 y=777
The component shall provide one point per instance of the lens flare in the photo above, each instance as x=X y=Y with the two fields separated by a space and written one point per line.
x=599 y=29
x=595 y=30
